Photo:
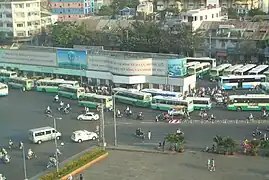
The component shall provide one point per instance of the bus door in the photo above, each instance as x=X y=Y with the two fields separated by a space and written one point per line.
x=240 y=83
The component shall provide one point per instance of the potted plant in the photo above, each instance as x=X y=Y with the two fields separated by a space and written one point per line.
x=171 y=139
x=180 y=141
x=231 y=145
x=225 y=144
x=255 y=144
x=219 y=143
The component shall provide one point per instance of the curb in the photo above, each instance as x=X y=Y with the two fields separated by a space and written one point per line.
x=77 y=171
x=133 y=149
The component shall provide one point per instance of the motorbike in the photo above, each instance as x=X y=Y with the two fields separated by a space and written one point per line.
x=180 y=134
x=139 y=117
x=6 y=159
x=32 y=156
x=66 y=110
x=119 y=115
x=128 y=113
x=56 y=100
x=48 y=111
x=51 y=164
x=60 y=108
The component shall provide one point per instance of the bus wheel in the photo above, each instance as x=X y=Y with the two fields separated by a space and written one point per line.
x=263 y=108
x=43 y=90
x=238 y=109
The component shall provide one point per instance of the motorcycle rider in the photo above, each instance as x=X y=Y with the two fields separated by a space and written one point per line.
x=127 y=109
x=10 y=144
x=251 y=117
x=4 y=151
x=118 y=113
x=178 y=131
x=61 y=104
x=68 y=107
x=264 y=114
x=6 y=158
x=140 y=115
x=20 y=145
x=86 y=109
x=58 y=152
x=56 y=98
x=48 y=110
x=2 y=177
x=52 y=160
x=30 y=153
x=212 y=117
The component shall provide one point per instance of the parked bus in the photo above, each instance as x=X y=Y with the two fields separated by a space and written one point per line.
x=244 y=70
x=231 y=69
x=3 y=89
x=218 y=71
x=265 y=86
x=51 y=85
x=91 y=100
x=192 y=64
x=168 y=103
x=22 y=83
x=198 y=69
x=241 y=82
x=69 y=91
x=266 y=73
x=212 y=61
x=159 y=92
x=132 y=97
x=248 y=102
x=201 y=103
x=258 y=70
x=5 y=75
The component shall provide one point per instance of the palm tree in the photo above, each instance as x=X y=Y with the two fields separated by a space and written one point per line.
x=180 y=141
x=170 y=138
x=265 y=147
x=255 y=144
x=229 y=144
x=219 y=142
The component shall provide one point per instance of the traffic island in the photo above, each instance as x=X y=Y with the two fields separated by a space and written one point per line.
x=77 y=166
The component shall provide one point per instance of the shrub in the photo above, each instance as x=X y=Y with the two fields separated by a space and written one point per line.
x=73 y=165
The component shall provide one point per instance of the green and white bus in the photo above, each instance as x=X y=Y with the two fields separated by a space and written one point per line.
x=248 y=102
x=201 y=103
x=166 y=103
x=231 y=69
x=199 y=69
x=218 y=71
x=132 y=97
x=266 y=73
x=51 y=85
x=91 y=100
x=22 y=83
x=69 y=91
x=265 y=87
x=5 y=75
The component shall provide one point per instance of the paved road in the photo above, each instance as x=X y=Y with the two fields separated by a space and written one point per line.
x=23 y=111
x=187 y=166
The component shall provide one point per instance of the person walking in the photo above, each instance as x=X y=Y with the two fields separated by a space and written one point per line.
x=70 y=177
x=208 y=164
x=149 y=135
x=213 y=168
x=81 y=177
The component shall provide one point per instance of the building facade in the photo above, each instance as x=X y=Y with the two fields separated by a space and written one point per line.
x=140 y=70
x=235 y=41
x=69 y=10
x=197 y=16
x=145 y=6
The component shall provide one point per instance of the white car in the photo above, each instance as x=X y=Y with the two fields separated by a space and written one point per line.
x=90 y=116
x=83 y=135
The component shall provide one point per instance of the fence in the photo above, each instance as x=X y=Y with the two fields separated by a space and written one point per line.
x=225 y=122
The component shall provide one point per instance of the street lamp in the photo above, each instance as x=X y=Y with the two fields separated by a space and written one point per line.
x=115 y=119
x=55 y=139
x=24 y=163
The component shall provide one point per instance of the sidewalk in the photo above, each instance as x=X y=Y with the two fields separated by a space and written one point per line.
x=62 y=164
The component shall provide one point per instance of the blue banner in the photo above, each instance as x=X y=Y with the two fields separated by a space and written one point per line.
x=72 y=59
x=177 y=67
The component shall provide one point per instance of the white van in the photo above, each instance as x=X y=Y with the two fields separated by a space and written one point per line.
x=38 y=135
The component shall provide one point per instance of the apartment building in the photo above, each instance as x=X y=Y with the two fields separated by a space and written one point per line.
x=70 y=10
x=194 y=4
x=21 y=18
x=224 y=39
x=197 y=16
x=145 y=6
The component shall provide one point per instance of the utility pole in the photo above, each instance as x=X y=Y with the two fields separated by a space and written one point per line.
x=115 y=119
x=24 y=163
x=210 y=44
x=102 y=142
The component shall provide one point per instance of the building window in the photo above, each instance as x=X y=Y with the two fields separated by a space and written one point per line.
x=205 y=17
x=1 y=24
x=195 y=18
x=29 y=24
x=212 y=15
x=8 y=15
x=85 y=4
x=201 y=18
x=9 y=25
x=8 y=6
x=217 y=15
x=78 y=4
x=54 y=4
x=19 y=25
x=223 y=44
x=1 y=15
x=68 y=4
x=27 y=5
x=20 y=34
x=69 y=16
x=79 y=16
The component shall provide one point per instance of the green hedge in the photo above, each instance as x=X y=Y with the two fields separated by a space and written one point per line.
x=73 y=165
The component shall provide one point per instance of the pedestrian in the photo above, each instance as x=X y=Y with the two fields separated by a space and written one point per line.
x=163 y=145
x=81 y=177
x=208 y=164
x=149 y=135
x=213 y=168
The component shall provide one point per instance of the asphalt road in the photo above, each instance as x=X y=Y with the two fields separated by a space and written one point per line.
x=21 y=111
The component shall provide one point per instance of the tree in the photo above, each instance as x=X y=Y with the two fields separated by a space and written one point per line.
x=229 y=144
x=247 y=48
x=255 y=11
x=219 y=142
x=176 y=142
x=117 y=5
x=105 y=11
